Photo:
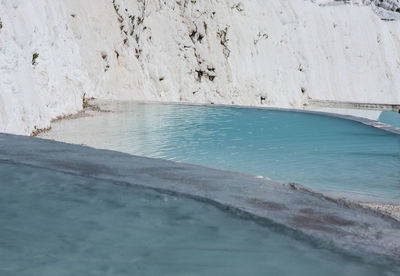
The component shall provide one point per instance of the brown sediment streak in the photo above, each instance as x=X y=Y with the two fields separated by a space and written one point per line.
x=86 y=106
x=390 y=209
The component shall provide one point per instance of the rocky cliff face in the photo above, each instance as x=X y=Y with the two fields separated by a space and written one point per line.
x=256 y=52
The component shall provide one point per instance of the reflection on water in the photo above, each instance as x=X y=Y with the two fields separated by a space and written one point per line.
x=327 y=154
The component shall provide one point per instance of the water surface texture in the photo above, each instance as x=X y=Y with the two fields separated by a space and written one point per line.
x=390 y=117
x=53 y=223
x=327 y=154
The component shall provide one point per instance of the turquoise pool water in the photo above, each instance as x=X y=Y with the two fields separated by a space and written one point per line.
x=390 y=117
x=52 y=223
x=331 y=155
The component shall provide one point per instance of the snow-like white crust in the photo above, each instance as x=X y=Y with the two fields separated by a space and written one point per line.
x=255 y=52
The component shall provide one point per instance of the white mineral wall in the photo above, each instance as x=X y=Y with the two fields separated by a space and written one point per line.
x=220 y=51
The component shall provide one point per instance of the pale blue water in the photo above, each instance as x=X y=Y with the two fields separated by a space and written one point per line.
x=53 y=223
x=340 y=157
x=390 y=117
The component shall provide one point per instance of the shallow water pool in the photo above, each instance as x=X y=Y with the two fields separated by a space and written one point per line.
x=390 y=117
x=327 y=154
x=53 y=223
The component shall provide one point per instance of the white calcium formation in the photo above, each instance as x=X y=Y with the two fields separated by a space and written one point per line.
x=53 y=54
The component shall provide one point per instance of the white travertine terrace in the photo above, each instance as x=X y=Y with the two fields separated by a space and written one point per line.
x=278 y=53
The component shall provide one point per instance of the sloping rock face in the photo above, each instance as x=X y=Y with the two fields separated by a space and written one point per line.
x=55 y=54
x=390 y=5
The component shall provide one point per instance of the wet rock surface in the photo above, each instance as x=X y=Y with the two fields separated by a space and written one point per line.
x=345 y=224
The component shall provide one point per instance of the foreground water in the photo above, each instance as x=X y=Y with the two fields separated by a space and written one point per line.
x=52 y=223
x=331 y=155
